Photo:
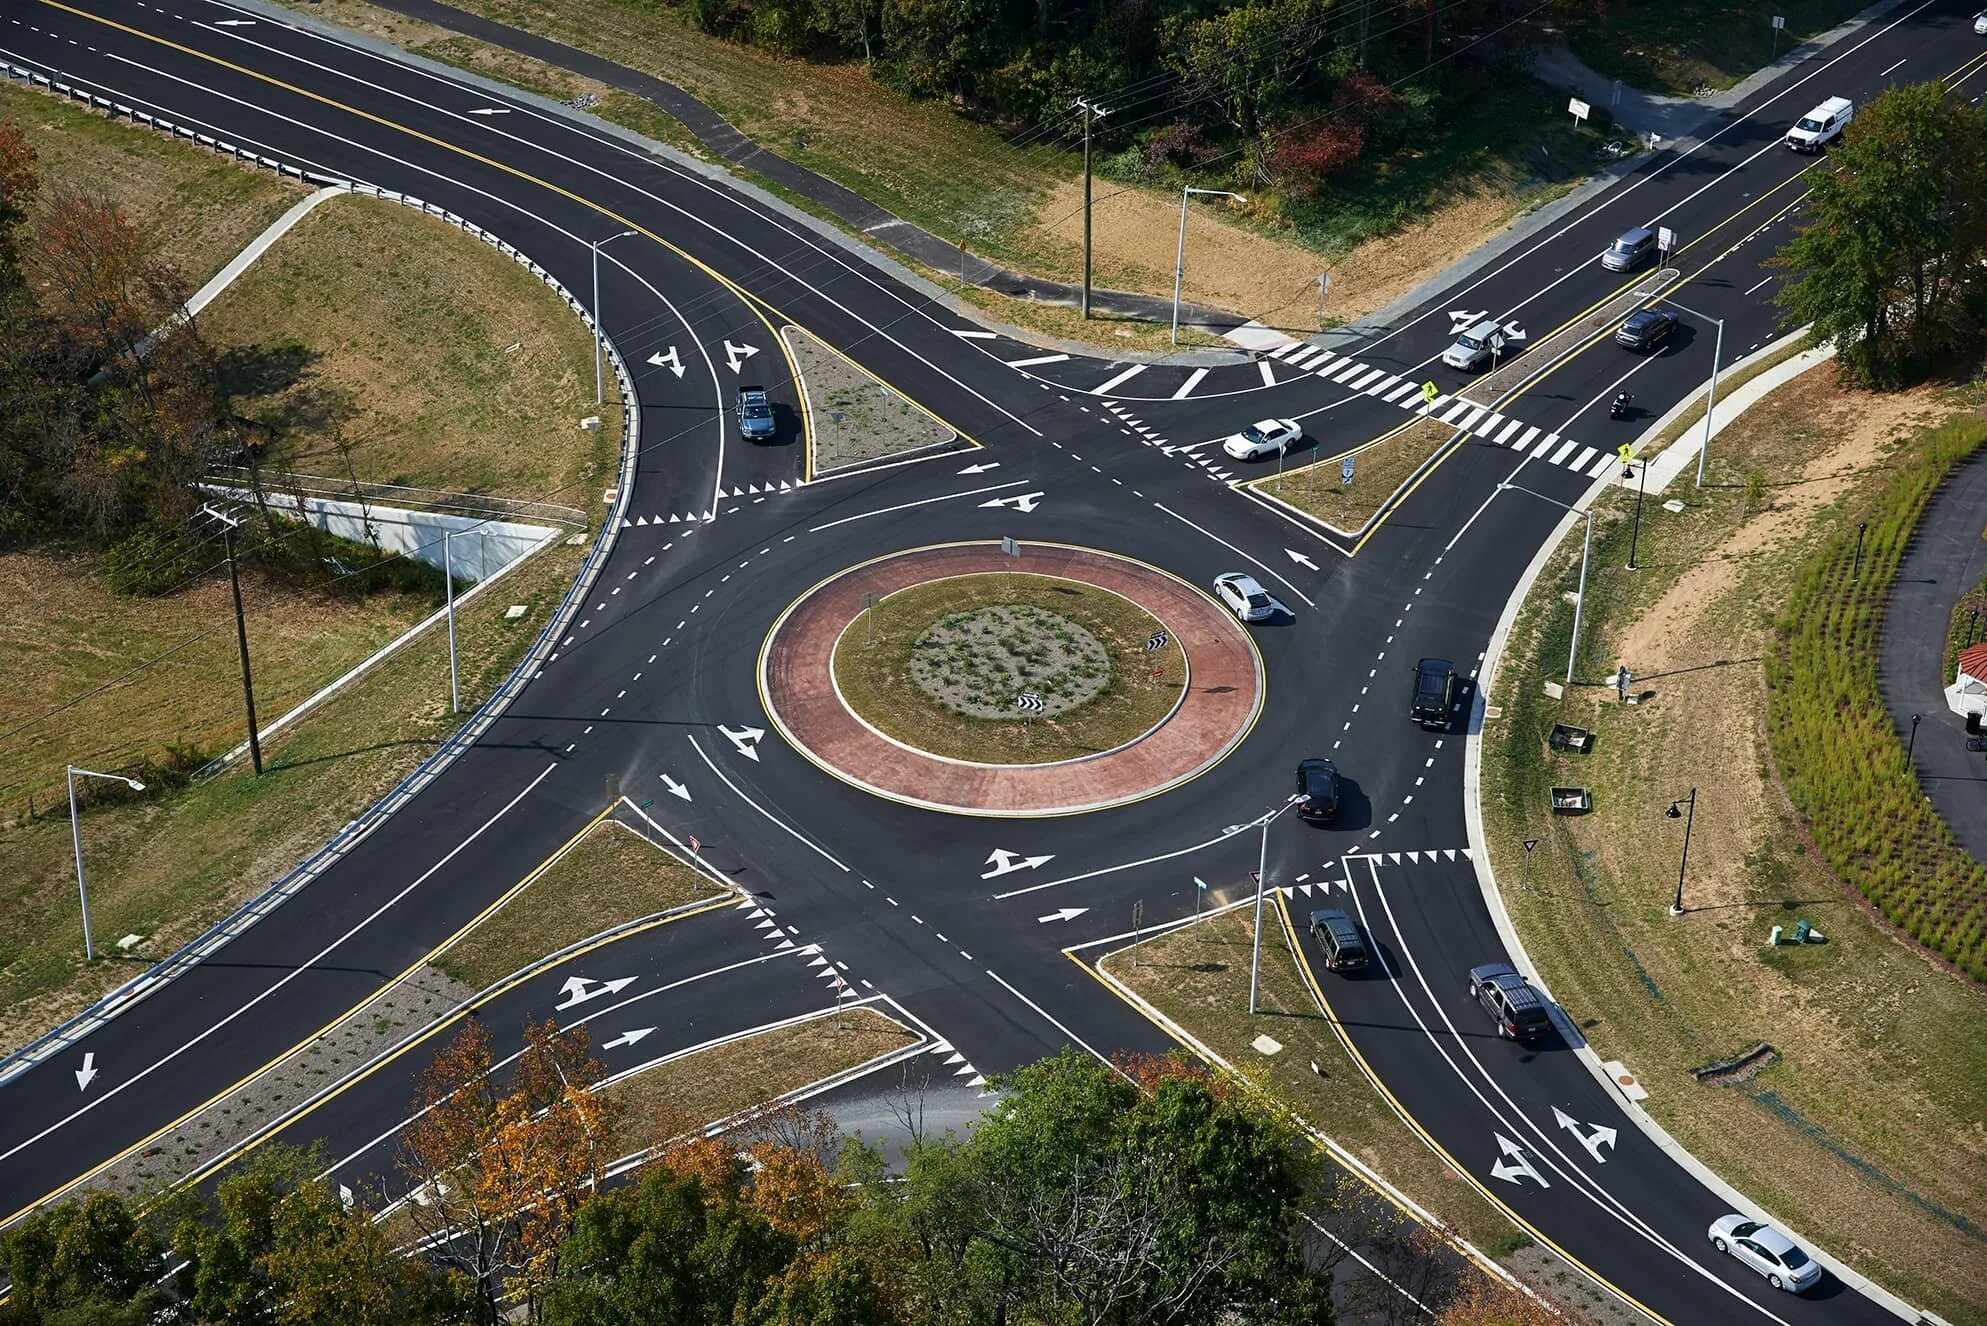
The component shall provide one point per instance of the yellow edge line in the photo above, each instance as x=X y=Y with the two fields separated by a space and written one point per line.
x=419 y=963
x=772 y=713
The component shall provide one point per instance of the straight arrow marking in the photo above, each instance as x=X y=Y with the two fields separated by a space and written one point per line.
x=627 y=1038
x=1301 y=559
x=87 y=1072
x=1601 y=1136
x=1063 y=914
x=676 y=789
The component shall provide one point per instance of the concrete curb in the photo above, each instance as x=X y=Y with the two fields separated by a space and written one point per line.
x=1493 y=897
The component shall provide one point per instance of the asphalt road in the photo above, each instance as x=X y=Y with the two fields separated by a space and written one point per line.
x=658 y=676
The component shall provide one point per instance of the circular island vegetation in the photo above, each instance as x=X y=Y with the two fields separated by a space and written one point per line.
x=957 y=667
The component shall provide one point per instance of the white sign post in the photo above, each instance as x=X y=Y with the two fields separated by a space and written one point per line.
x=1666 y=241
x=1579 y=109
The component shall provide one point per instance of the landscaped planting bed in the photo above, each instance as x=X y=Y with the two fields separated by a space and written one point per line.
x=941 y=666
x=1834 y=743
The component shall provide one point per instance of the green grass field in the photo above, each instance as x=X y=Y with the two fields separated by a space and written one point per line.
x=1679 y=46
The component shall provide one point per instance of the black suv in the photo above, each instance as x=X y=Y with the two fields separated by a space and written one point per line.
x=1317 y=784
x=1338 y=934
x=1434 y=692
x=1646 y=329
x=1513 y=1005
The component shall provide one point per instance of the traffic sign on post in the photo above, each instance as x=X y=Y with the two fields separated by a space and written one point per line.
x=1579 y=109
x=1666 y=241
x=1345 y=471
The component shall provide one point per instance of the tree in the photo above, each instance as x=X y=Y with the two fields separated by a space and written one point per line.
x=1482 y=1301
x=1890 y=267
x=91 y=1257
x=1250 y=58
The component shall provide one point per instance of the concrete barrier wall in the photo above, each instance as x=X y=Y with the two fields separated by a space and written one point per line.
x=479 y=548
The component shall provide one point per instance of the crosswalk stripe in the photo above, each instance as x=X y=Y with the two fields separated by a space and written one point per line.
x=1485 y=427
x=1345 y=370
x=1509 y=429
x=1193 y=380
x=1304 y=356
x=1278 y=352
x=1546 y=443
x=1583 y=460
x=1601 y=466
x=1039 y=359
x=1359 y=383
x=1526 y=440
x=1394 y=397
x=1559 y=456
x=1119 y=380
x=1269 y=378
x=1375 y=388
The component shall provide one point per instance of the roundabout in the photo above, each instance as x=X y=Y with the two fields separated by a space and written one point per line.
x=1057 y=681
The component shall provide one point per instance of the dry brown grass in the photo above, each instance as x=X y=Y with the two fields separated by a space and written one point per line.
x=674 y=1098
x=1379 y=467
x=872 y=669
x=852 y=416
x=197 y=209
x=611 y=875
x=1867 y=1135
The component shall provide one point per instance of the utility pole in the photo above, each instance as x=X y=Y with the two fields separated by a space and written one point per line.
x=1092 y=112
x=228 y=524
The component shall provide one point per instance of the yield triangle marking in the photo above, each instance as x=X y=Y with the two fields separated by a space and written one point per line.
x=1466 y=855
x=752 y=488
x=1394 y=857
x=641 y=520
x=1449 y=853
x=1306 y=888
x=783 y=946
x=1414 y=857
x=954 y=1058
x=785 y=487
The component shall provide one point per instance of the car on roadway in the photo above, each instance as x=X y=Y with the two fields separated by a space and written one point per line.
x=1434 y=693
x=1242 y=595
x=1338 y=935
x=1630 y=250
x=1980 y=22
x=1516 y=1008
x=1822 y=125
x=1477 y=346
x=1265 y=437
x=1317 y=790
x=1766 y=1250
x=1646 y=328
x=755 y=414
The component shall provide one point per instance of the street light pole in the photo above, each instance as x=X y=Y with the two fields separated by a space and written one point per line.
x=76 y=838
x=1635 y=534
x=1180 y=250
x=599 y=380
x=1092 y=112
x=1690 y=818
x=1586 y=554
x=448 y=575
x=1911 y=745
x=1711 y=402
x=1262 y=876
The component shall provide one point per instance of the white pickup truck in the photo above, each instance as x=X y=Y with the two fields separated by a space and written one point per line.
x=1821 y=125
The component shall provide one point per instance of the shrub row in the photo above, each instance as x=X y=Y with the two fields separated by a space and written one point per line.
x=1836 y=749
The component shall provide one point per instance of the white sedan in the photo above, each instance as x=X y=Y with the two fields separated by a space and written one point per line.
x=1242 y=595
x=1767 y=1251
x=1980 y=22
x=1263 y=438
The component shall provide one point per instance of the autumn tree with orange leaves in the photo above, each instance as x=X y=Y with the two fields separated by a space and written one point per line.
x=501 y=1157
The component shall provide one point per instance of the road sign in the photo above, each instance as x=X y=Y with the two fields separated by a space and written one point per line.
x=1029 y=702
x=869 y=596
x=1779 y=22
x=1666 y=239
x=1200 y=883
x=1010 y=547
x=1429 y=391
x=1530 y=843
x=1157 y=640
x=1579 y=109
x=1345 y=470
x=696 y=848
x=1626 y=452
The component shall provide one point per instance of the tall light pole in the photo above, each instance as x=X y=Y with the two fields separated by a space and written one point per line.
x=448 y=576
x=599 y=384
x=76 y=837
x=228 y=524
x=1635 y=535
x=1711 y=401
x=1689 y=818
x=1262 y=873
x=1180 y=260
x=1092 y=112
x=1586 y=552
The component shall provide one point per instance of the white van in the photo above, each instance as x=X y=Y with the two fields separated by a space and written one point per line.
x=1821 y=125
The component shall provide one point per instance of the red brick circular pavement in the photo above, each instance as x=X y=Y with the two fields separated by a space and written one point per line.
x=1224 y=696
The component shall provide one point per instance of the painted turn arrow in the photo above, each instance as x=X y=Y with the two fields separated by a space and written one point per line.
x=1022 y=502
x=626 y=1038
x=1514 y=1166
x=579 y=989
x=746 y=739
x=1064 y=914
x=676 y=789
x=1006 y=862
x=87 y=1072
x=1601 y=1136
x=736 y=355
x=667 y=359
x=1301 y=559
x=981 y=468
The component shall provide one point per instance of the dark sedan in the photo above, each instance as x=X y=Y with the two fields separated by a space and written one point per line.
x=1317 y=786
x=1646 y=329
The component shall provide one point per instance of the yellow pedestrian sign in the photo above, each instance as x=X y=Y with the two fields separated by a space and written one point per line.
x=1626 y=452
x=1429 y=392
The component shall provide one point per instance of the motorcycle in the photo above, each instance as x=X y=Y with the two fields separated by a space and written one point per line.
x=1618 y=407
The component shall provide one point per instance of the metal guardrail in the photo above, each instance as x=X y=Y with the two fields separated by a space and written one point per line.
x=398 y=494
x=244 y=917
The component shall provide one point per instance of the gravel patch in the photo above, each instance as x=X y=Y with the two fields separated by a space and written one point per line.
x=853 y=417
x=980 y=663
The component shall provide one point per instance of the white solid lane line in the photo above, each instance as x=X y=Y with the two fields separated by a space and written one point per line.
x=1269 y=377
x=1193 y=380
x=923 y=501
x=310 y=964
x=1264 y=567
x=1050 y=1018
x=1118 y=381
x=1030 y=363
x=796 y=834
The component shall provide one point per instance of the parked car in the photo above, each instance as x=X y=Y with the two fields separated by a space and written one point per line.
x=1630 y=251
x=1434 y=693
x=1767 y=1251
x=1317 y=784
x=1822 y=125
x=1480 y=345
x=755 y=414
x=1646 y=329
x=1513 y=1005
x=1241 y=595
x=1338 y=935
x=1265 y=437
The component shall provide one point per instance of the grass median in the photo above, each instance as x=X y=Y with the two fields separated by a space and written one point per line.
x=1379 y=468
x=684 y=1094
x=1861 y=1127
x=875 y=658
